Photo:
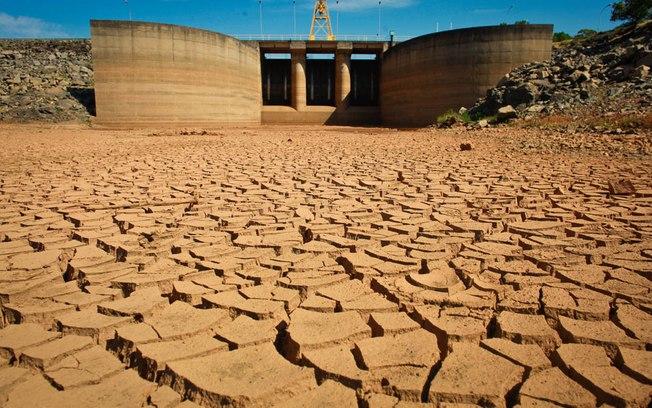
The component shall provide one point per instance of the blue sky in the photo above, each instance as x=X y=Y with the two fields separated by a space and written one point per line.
x=69 y=18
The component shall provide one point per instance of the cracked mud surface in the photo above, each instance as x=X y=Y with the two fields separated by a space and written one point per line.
x=253 y=267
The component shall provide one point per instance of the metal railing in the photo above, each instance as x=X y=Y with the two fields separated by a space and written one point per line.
x=305 y=37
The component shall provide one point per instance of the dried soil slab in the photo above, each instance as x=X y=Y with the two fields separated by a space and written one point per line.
x=603 y=333
x=140 y=304
x=189 y=292
x=33 y=391
x=320 y=304
x=527 y=329
x=44 y=313
x=525 y=301
x=236 y=304
x=11 y=376
x=405 y=382
x=636 y=364
x=415 y=349
x=166 y=397
x=346 y=291
x=15 y=247
x=529 y=356
x=180 y=320
x=261 y=276
x=549 y=229
x=369 y=303
x=150 y=359
x=124 y=389
x=328 y=394
x=16 y=338
x=517 y=268
x=216 y=380
x=15 y=288
x=451 y=329
x=35 y=260
x=103 y=274
x=389 y=324
x=310 y=284
x=244 y=331
x=81 y=300
x=84 y=257
x=591 y=368
x=473 y=375
x=506 y=251
x=336 y=363
x=92 y=324
x=290 y=297
x=575 y=303
x=128 y=337
x=440 y=280
x=551 y=387
x=636 y=322
x=48 y=354
x=83 y=368
x=312 y=330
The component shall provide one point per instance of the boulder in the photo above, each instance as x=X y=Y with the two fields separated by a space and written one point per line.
x=506 y=113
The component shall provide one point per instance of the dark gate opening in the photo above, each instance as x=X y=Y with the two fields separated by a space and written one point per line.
x=364 y=82
x=320 y=81
x=277 y=81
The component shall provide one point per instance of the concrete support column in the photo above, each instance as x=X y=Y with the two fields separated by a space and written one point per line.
x=298 y=61
x=343 y=74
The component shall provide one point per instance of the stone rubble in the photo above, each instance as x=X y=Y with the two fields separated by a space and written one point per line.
x=46 y=81
x=605 y=75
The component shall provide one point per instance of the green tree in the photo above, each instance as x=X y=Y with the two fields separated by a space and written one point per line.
x=631 y=11
x=586 y=33
x=561 y=36
x=522 y=22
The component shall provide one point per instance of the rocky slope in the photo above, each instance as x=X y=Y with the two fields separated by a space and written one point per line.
x=45 y=80
x=602 y=76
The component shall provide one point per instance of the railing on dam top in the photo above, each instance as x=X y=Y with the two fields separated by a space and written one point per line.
x=304 y=37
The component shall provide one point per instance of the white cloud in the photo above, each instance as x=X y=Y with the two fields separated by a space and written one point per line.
x=28 y=27
x=357 y=5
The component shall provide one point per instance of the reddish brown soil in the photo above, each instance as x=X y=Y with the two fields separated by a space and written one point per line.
x=315 y=266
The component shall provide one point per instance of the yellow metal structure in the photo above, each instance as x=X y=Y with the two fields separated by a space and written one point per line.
x=321 y=22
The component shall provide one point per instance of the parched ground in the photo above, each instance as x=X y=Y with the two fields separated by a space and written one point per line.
x=338 y=267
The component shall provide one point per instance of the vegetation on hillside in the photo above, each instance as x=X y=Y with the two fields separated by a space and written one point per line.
x=631 y=11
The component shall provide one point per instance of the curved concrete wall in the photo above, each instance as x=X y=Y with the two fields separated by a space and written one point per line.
x=427 y=76
x=157 y=74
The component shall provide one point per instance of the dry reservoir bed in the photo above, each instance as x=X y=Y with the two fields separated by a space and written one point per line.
x=253 y=267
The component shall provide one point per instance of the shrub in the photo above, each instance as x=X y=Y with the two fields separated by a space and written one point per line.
x=585 y=33
x=561 y=36
x=451 y=117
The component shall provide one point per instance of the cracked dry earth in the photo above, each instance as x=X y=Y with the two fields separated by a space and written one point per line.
x=256 y=267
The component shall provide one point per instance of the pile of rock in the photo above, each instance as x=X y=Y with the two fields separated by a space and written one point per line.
x=45 y=80
x=609 y=72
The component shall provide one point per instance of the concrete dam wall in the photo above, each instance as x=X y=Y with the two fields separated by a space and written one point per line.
x=429 y=75
x=157 y=74
x=149 y=74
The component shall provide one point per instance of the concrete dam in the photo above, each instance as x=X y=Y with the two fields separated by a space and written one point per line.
x=150 y=74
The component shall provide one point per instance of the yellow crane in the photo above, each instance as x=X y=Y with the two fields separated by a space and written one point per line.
x=321 y=22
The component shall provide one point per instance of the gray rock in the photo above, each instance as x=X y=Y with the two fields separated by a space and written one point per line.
x=641 y=72
x=523 y=94
x=506 y=113
x=580 y=76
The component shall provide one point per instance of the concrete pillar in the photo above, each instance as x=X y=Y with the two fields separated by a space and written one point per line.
x=343 y=74
x=298 y=53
